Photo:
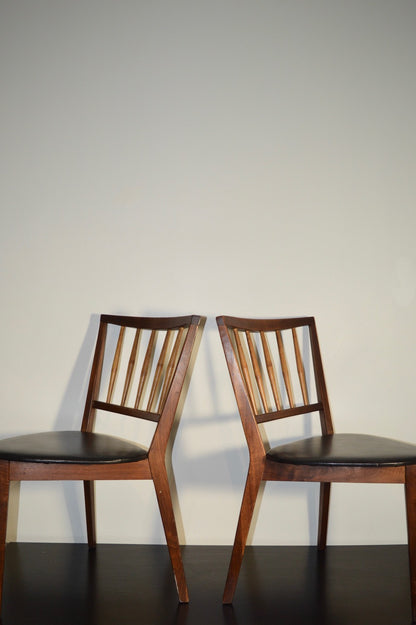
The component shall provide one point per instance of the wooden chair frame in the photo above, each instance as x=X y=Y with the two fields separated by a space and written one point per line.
x=261 y=468
x=168 y=382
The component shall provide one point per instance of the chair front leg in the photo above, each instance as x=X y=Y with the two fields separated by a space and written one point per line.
x=246 y=515
x=410 y=490
x=164 y=498
x=4 y=504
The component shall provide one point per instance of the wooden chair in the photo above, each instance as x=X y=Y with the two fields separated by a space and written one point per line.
x=146 y=362
x=276 y=372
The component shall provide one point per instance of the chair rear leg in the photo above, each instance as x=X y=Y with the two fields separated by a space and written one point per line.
x=324 y=496
x=164 y=498
x=246 y=515
x=410 y=490
x=4 y=503
x=89 y=496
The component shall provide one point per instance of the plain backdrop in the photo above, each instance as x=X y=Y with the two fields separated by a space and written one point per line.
x=252 y=157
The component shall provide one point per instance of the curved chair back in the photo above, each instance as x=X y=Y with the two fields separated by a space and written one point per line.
x=276 y=370
x=139 y=369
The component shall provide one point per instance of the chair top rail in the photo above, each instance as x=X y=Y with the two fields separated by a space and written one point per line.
x=138 y=362
x=266 y=325
x=279 y=366
x=150 y=323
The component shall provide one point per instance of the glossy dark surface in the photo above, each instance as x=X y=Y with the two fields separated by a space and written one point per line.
x=346 y=450
x=68 y=447
x=61 y=584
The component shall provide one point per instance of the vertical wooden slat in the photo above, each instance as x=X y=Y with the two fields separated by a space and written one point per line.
x=256 y=369
x=170 y=370
x=116 y=362
x=159 y=369
x=245 y=369
x=147 y=364
x=285 y=368
x=271 y=371
x=300 y=367
x=130 y=367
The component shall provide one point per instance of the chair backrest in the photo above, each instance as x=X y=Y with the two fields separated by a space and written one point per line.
x=276 y=369
x=139 y=368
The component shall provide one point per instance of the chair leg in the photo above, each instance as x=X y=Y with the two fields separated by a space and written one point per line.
x=246 y=514
x=4 y=502
x=161 y=483
x=89 y=496
x=324 y=496
x=410 y=490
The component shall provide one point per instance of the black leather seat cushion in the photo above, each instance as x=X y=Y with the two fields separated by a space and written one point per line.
x=70 y=447
x=345 y=450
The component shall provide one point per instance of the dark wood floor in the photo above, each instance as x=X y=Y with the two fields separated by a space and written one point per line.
x=61 y=584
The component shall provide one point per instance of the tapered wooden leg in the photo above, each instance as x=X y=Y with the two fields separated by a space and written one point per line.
x=246 y=514
x=161 y=482
x=4 y=503
x=410 y=490
x=324 y=496
x=89 y=496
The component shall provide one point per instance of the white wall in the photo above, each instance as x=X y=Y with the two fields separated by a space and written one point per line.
x=253 y=158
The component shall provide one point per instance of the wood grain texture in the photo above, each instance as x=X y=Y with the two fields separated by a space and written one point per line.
x=271 y=372
x=130 y=367
x=245 y=369
x=115 y=366
x=157 y=378
x=282 y=472
x=164 y=498
x=170 y=368
x=257 y=370
x=251 y=490
x=285 y=368
x=300 y=367
x=145 y=372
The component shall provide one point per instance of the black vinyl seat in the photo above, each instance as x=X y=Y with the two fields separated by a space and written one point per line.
x=70 y=447
x=347 y=450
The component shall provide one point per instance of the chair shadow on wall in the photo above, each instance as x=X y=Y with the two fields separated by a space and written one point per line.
x=207 y=470
x=69 y=416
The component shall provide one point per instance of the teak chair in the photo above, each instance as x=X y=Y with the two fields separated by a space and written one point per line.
x=276 y=372
x=147 y=366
